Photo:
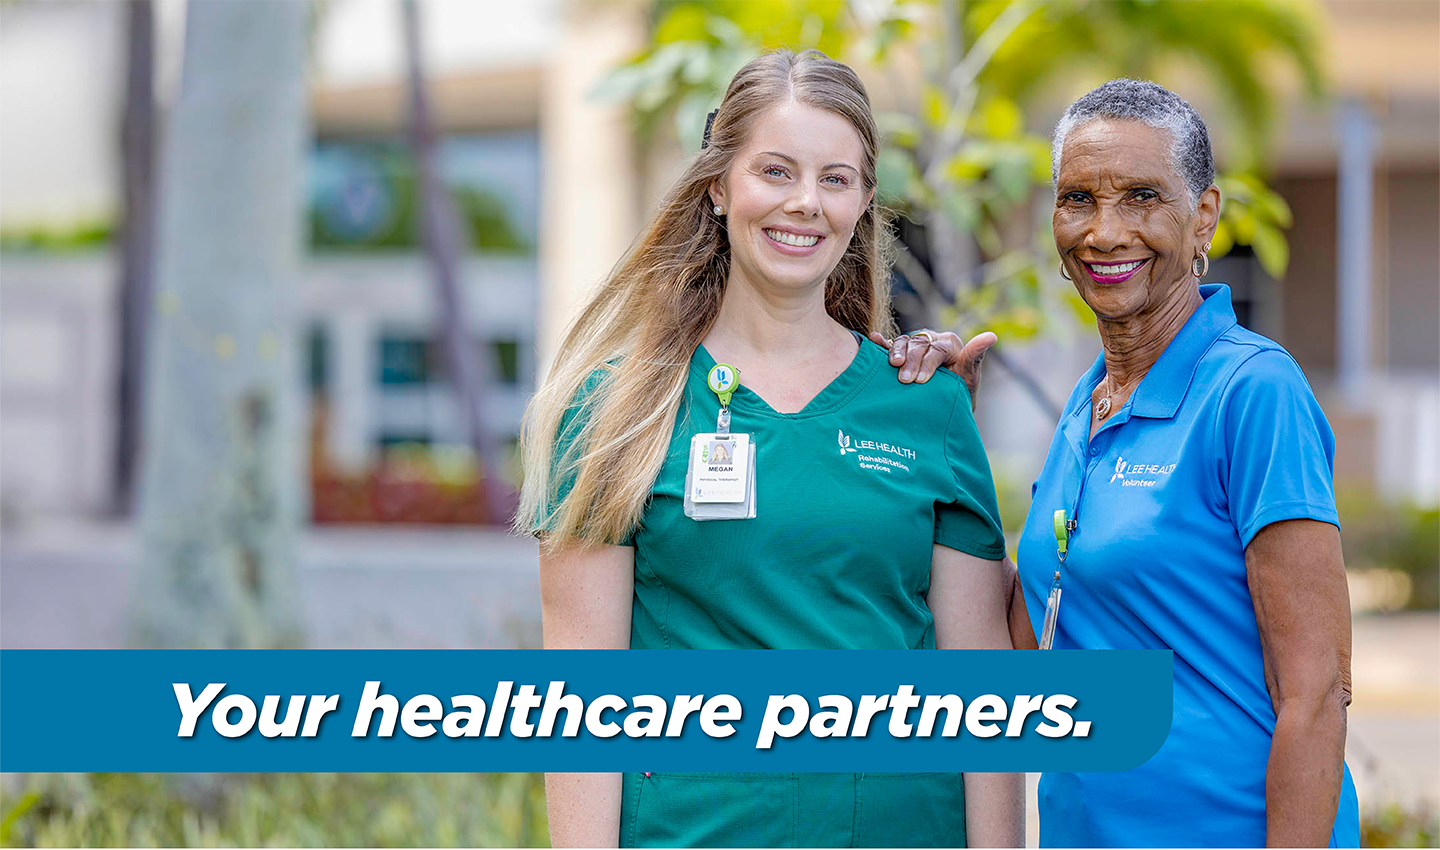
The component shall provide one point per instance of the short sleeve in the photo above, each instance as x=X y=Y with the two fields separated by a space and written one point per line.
x=1277 y=452
x=969 y=519
x=565 y=457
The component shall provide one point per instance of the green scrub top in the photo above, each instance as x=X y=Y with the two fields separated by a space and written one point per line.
x=851 y=493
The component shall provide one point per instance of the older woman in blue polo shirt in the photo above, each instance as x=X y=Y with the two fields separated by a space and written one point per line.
x=1193 y=468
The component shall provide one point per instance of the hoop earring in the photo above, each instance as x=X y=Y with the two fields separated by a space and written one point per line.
x=1204 y=267
x=1063 y=274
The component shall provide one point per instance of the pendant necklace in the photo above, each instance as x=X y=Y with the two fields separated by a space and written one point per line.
x=1102 y=407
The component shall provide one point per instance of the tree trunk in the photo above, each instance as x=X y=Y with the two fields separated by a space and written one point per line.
x=220 y=492
x=467 y=364
x=137 y=243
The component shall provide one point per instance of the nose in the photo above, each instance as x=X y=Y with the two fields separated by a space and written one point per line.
x=1108 y=230
x=804 y=199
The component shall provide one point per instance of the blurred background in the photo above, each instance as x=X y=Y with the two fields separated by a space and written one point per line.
x=277 y=278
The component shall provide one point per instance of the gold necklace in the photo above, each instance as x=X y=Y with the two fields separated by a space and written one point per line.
x=1102 y=407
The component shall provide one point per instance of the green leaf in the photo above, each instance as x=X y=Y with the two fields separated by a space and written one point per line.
x=1271 y=207
x=1244 y=224
x=726 y=31
x=682 y=23
x=1223 y=240
x=933 y=106
x=690 y=117
x=1079 y=310
x=897 y=176
x=1271 y=249
x=999 y=118
x=899 y=129
x=698 y=66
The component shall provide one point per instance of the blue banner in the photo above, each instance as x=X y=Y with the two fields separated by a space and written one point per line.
x=532 y=710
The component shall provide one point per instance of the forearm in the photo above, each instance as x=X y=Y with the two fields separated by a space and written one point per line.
x=584 y=809
x=1302 y=779
x=1022 y=634
x=995 y=809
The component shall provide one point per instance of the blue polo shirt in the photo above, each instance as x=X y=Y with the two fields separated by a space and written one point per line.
x=1221 y=438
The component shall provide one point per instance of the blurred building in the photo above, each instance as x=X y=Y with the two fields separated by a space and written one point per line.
x=366 y=314
x=552 y=193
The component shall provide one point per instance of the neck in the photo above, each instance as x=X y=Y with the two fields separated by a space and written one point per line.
x=1133 y=344
x=770 y=323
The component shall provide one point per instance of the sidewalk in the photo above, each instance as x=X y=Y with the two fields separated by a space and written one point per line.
x=67 y=587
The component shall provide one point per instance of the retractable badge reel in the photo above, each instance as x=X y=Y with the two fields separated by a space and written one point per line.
x=1052 y=604
x=720 y=477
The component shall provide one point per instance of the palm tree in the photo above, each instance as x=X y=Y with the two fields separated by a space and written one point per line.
x=137 y=241
x=442 y=237
x=219 y=497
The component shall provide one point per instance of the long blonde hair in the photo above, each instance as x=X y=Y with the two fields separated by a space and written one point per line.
x=621 y=370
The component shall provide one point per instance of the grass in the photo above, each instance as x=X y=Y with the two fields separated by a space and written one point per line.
x=276 y=810
x=1396 y=826
x=353 y=810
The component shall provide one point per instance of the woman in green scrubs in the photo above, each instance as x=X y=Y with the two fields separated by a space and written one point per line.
x=742 y=309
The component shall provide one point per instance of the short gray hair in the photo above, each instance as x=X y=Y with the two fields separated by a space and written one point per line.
x=1152 y=105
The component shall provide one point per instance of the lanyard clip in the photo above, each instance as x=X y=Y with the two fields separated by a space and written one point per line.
x=723 y=380
x=1062 y=533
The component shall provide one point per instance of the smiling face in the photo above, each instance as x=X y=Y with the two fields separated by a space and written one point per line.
x=792 y=197
x=1123 y=223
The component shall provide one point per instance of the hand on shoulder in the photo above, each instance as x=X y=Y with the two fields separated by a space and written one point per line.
x=918 y=355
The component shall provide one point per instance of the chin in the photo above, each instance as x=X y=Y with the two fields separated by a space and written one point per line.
x=797 y=276
x=1113 y=305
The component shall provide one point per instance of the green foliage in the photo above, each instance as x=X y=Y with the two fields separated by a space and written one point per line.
x=284 y=810
x=86 y=236
x=1236 y=43
x=1396 y=826
x=1251 y=213
x=1403 y=537
x=697 y=47
x=963 y=163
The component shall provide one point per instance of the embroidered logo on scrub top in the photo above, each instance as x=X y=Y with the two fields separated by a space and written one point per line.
x=879 y=456
x=1139 y=474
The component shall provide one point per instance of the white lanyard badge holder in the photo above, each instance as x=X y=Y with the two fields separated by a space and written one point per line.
x=720 y=476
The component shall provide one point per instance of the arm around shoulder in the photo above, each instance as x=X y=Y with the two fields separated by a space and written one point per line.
x=585 y=598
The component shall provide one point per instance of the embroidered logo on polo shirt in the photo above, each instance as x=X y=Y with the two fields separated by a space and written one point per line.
x=879 y=456
x=1139 y=474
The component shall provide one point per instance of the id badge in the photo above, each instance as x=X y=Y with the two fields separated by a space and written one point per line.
x=720 y=477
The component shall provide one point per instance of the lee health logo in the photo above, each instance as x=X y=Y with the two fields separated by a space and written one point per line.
x=722 y=379
x=1139 y=474
x=881 y=457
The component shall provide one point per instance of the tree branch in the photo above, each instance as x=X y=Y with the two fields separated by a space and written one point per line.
x=927 y=292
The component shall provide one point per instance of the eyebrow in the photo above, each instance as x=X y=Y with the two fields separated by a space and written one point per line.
x=1128 y=182
x=794 y=161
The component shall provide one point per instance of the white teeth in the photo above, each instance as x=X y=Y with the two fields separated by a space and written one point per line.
x=792 y=238
x=1118 y=268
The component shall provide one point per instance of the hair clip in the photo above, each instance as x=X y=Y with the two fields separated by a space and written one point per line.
x=709 y=122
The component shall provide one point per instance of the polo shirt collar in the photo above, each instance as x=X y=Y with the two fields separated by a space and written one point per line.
x=1164 y=386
